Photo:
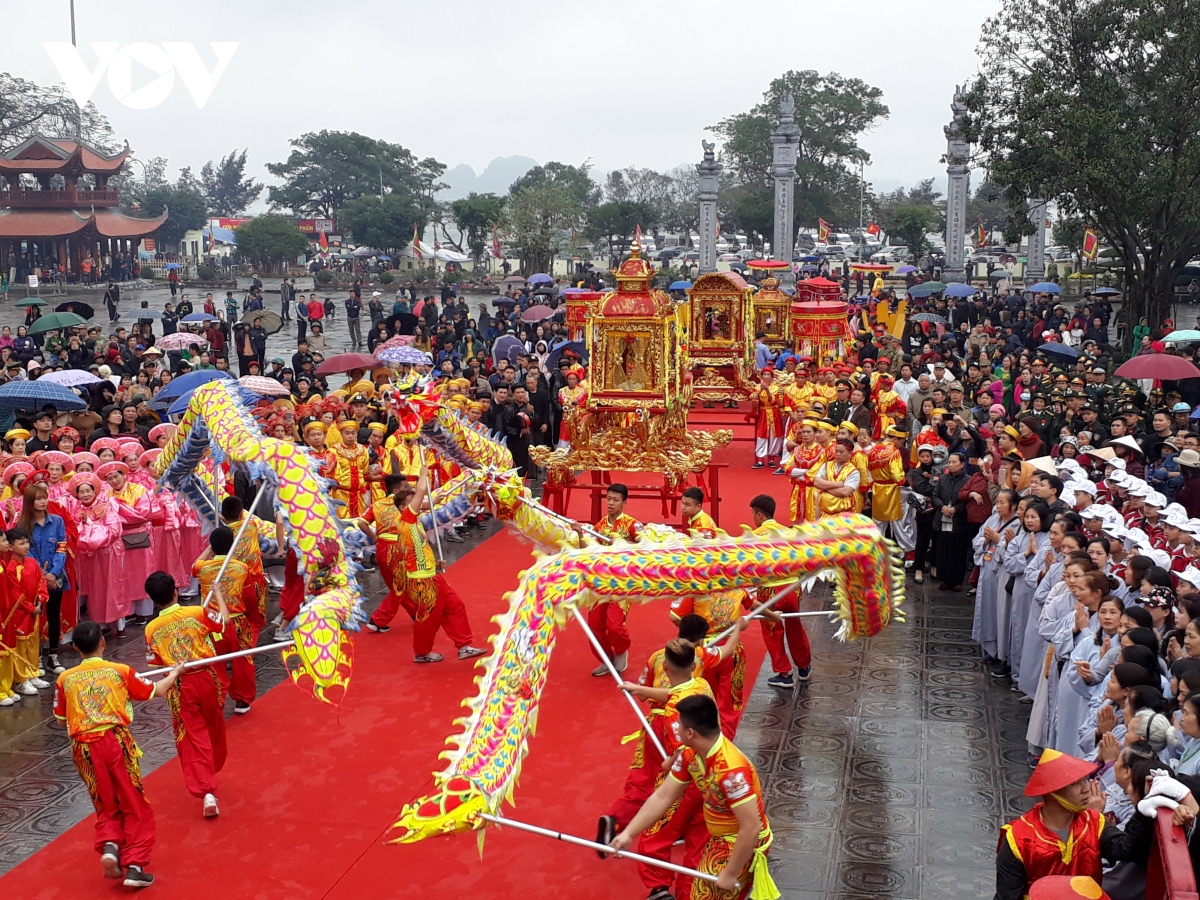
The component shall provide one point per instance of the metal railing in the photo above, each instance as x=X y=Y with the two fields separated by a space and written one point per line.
x=1169 y=873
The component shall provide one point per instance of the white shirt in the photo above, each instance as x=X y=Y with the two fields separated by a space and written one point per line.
x=905 y=388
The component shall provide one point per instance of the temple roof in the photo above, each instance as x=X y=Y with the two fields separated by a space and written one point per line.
x=52 y=155
x=28 y=223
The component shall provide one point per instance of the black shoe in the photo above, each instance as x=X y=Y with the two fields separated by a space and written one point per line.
x=110 y=859
x=1001 y=673
x=606 y=830
x=240 y=707
x=661 y=893
x=136 y=878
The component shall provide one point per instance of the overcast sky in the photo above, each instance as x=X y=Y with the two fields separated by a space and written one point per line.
x=618 y=82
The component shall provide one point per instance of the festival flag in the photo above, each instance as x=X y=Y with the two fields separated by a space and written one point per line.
x=324 y=241
x=496 y=243
x=416 y=243
x=1091 y=243
x=823 y=229
x=980 y=234
x=637 y=237
x=873 y=229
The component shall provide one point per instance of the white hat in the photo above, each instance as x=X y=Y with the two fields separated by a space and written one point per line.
x=1156 y=499
x=377 y=294
x=1192 y=526
x=1086 y=487
x=1139 y=488
x=1191 y=575
x=1067 y=463
x=1115 y=529
x=1175 y=519
x=1175 y=507
x=1126 y=441
x=1137 y=536
x=1096 y=511
x=1117 y=463
x=1161 y=557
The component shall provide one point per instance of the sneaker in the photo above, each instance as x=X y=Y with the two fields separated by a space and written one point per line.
x=121 y=633
x=621 y=661
x=757 y=465
x=281 y=630
x=802 y=674
x=110 y=860
x=55 y=666
x=776 y=472
x=782 y=680
x=26 y=689
x=378 y=629
x=606 y=830
x=661 y=893
x=599 y=671
x=454 y=537
x=240 y=707
x=470 y=652
x=136 y=878
x=7 y=701
x=39 y=683
x=429 y=658
x=210 y=807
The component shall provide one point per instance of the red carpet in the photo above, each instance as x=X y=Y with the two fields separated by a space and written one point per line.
x=309 y=793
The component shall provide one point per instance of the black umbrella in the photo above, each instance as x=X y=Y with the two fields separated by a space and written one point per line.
x=504 y=301
x=402 y=323
x=576 y=347
x=81 y=309
x=507 y=347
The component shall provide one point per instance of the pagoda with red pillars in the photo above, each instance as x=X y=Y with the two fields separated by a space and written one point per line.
x=45 y=212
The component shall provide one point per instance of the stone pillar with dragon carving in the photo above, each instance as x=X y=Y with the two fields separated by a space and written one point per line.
x=785 y=142
x=709 y=170
x=958 y=183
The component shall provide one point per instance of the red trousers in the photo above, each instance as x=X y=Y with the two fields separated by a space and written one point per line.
x=639 y=785
x=291 y=596
x=110 y=769
x=685 y=821
x=728 y=684
x=797 y=638
x=197 y=711
x=607 y=622
x=239 y=634
x=448 y=613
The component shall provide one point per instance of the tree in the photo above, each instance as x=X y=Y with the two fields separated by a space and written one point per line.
x=831 y=113
x=229 y=191
x=910 y=224
x=270 y=240
x=989 y=206
x=1084 y=103
x=540 y=217
x=328 y=169
x=185 y=205
x=476 y=215
x=28 y=108
x=681 y=211
x=574 y=181
x=384 y=224
x=617 y=221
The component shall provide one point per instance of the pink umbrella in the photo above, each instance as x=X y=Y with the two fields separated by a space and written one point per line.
x=1158 y=365
x=537 y=313
x=180 y=340
x=263 y=386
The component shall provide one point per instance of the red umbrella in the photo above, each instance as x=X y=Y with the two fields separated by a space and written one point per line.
x=537 y=313
x=344 y=362
x=1158 y=365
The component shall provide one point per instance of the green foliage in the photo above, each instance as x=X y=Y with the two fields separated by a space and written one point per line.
x=385 y=224
x=617 y=222
x=186 y=207
x=324 y=276
x=229 y=191
x=328 y=169
x=831 y=113
x=920 y=195
x=28 y=108
x=573 y=180
x=270 y=240
x=909 y=224
x=206 y=273
x=541 y=214
x=477 y=215
x=1083 y=102
x=386 y=277
x=1068 y=232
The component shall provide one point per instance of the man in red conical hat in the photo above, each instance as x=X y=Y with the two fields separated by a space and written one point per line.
x=1066 y=887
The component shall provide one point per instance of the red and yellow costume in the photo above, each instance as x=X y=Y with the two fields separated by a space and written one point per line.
x=726 y=677
x=726 y=780
x=26 y=588
x=570 y=397
x=886 y=466
x=348 y=467
x=803 y=506
x=240 y=633
x=181 y=634
x=402 y=456
x=94 y=700
x=385 y=516
x=830 y=504
x=769 y=402
x=701 y=525
x=607 y=620
x=790 y=631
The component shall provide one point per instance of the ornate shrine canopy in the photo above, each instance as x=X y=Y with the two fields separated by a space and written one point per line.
x=55 y=156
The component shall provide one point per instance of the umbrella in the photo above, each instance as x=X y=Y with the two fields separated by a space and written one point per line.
x=198 y=317
x=71 y=378
x=180 y=404
x=402 y=323
x=921 y=290
x=680 y=286
x=409 y=355
x=270 y=320
x=180 y=340
x=808 y=268
x=1182 y=337
x=36 y=394
x=1156 y=365
x=383 y=257
x=507 y=347
x=513 y=279
x=537 y=313
x=263 y=386
x=504 y=301
x=147 y=313
x=1105 y=292
x=30 y=301
x=76 y=306
x=927 y=317
x=399 y=340
x=905 y=270
x=345 y=362
x=870 y=267
x=540 y=278
x=1062 y=351
x=172 y=266
x=933 y=286
x=364 y=252
x=185 y=384
x=960 y=290
x=1045 y=287
x=576 y=347
x=56 y=321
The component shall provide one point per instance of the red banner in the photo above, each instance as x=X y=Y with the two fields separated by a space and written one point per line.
x=1091 y=244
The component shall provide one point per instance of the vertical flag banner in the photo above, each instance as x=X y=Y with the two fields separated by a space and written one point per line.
x=823 y=229
x=324 y=241
x=1091 y=244
x=980 y=234
x=496 y=243
x=416 y=243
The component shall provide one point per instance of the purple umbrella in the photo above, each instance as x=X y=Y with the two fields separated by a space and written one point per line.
x=540 y=278
x=70 y=378
x=409 y=355
x=904 y=270
x=537 y=313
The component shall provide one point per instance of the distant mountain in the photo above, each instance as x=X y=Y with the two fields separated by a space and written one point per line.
x=495 y=179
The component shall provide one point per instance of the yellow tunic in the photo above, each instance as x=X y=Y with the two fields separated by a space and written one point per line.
x=832 y=505
x=886 y=466
x=348 y=467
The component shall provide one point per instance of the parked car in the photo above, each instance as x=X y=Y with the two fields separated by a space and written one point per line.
x=729 y=257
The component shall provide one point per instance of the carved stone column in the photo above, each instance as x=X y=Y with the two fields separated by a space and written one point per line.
x=785 y=142
x=958 y=179
x=709 y=170
x=1035 y=265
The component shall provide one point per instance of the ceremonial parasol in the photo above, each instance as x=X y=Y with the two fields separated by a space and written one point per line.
x=772 y=263
x=870 y=267
x=579 y=348
x=537 y=313
x=30 y=301
x=1045 y=287
x=346 y=362
x=271 y=321
x=180 y=340
x=960 y=290
x=507 y=347
x=263 y=386
x=76 y=306
x=56 y=321
x=409 y=355
x=1062 y=351
x=71 y=378
x=1157 y=365
x=36 y=394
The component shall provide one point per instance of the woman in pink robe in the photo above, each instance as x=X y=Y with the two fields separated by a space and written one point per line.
x=59 y=467
x=139 y=513
x=101 y=553
x=168 y=536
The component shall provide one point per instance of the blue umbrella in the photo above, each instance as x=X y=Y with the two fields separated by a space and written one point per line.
x=383 y=257
x=185 y=384
x=960 y=290
x=810 y=258
x=198 y=317
x=36 y=394
x=507 y=347
x=680 y=286
x=1045 y=287
x=147 y=313
x=540 y=278
x=1105 y=292
x=1062 y=351
x=172 y=266
x=576 y=347
x=921 y=290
